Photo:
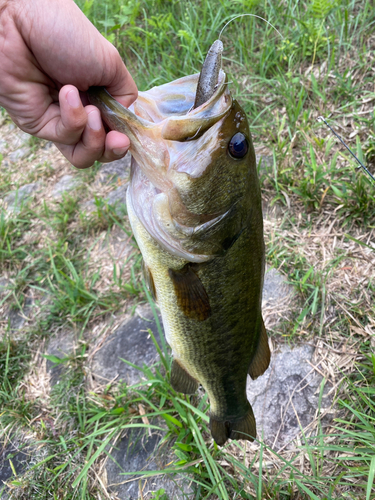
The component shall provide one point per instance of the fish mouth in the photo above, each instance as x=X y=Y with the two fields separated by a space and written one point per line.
x=178 y=111
x=170 y=112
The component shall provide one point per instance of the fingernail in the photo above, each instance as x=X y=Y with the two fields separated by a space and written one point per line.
x=73 y=99
x=119 y=151
x=94 y=120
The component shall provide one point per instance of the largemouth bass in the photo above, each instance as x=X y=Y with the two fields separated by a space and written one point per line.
x=194 y=205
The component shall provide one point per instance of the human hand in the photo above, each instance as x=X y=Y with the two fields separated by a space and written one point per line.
x=49 y=51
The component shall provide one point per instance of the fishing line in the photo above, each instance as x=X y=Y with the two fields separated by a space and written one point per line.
x=251 y=15
x=320 y=118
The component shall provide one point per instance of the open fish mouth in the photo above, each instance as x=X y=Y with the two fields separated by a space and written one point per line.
x=181 y=110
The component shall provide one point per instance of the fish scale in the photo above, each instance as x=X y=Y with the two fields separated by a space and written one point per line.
x=194 y=204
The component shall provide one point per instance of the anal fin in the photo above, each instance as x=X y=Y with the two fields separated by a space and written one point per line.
x=181 y=380
x=242 y=428
x=262 y=357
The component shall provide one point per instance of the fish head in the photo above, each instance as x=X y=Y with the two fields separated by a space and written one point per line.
x=193 y=168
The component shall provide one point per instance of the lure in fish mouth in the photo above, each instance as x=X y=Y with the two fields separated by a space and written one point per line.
x=195 y=209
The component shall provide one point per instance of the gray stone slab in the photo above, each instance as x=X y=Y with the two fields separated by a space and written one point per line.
x=115 y=199
x=16 y=198
x=19 y=138
x=276 y=287
x=61 y=346
x=17 y=318
x=119 y=169
x=5 y=285
x=286 y=397
x=19 y=154
x=48 y=145
x=65 y=184
x=138 y=451
x=131 y=341
x=277 y=300
x=20 y=460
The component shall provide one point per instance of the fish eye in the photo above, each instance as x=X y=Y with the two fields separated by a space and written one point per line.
x=238 y=146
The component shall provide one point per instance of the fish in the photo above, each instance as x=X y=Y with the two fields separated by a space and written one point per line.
x=194 y=204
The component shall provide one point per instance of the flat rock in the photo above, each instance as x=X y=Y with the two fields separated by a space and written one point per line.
x=48 y=145
x=18 y=318
x=286 y=397
x=15 y=199
x=138 y=452
x=4 y=285
x=19 y=138
x=277 y=297
x=131 y=341
x=19 y=154
x=275 y=287
x=20 y=461
x=115 y=199
x=60 y=346
x=119 y=169
x=65 y=184
x=16 y=143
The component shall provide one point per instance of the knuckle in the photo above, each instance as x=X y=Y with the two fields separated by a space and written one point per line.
x=76 y=122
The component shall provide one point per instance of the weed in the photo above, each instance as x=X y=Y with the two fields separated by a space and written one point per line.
x=104 y=216
x=59 y=217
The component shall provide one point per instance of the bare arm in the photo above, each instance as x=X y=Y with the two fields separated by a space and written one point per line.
x=49 y=51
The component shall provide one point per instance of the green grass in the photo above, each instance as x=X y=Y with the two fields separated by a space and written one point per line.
x=321 y=66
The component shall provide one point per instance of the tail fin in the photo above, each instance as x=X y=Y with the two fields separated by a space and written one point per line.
x=242 y=428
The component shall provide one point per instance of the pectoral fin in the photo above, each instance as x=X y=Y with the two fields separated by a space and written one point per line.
x=191 y=295
x=181 y=380
x=243 y=428
x=261 y=359
x=147 y=276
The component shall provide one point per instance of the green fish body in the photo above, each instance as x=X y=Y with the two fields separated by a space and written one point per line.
x=194 y=204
